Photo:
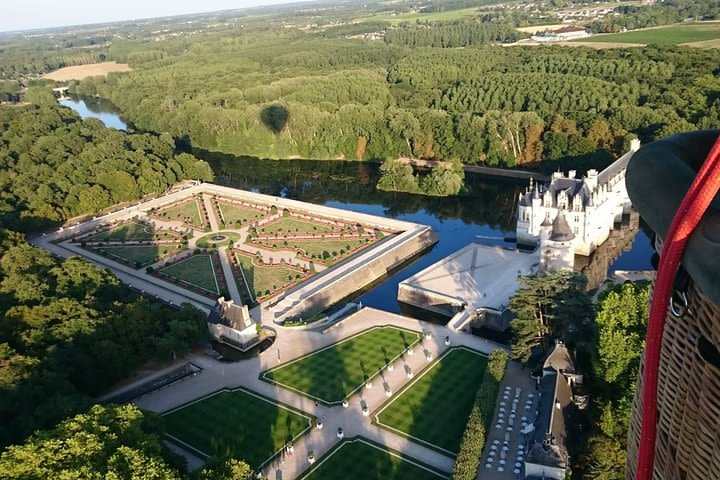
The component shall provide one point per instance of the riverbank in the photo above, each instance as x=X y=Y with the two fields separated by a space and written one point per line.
x=480 y=170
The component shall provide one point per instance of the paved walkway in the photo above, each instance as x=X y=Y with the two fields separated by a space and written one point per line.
x=222 y=253
x=291 y=344
x=137 y=279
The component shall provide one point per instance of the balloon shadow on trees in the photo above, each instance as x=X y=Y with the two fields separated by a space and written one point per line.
x=275 y=117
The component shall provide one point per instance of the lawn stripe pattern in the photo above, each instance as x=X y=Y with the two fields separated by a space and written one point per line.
x=238 y=422
x=361 y=460
x=333 y=373
x=435 y=407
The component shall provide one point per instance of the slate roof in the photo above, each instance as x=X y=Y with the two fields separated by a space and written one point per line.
x=574 y=186
x=614 y=168
x=560 y=360
x=548 y=445
x=561 y=231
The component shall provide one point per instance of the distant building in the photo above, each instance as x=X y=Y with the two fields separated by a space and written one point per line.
x=560 y=389
x=231 y=324
x=562 y=34
x=591 y=205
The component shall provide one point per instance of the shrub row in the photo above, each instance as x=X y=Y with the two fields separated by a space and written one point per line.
x=473 y=440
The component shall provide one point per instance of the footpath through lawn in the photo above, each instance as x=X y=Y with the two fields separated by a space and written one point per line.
x=333 y=373
x=243 y=424
x=433 y=409
x=360 y=459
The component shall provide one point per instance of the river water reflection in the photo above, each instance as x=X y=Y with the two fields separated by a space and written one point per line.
x=485 y=214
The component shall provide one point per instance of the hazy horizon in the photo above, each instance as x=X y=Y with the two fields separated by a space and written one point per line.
x=43 y=14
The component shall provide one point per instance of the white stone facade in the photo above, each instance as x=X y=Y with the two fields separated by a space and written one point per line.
x=592 y=205
x=556 y=248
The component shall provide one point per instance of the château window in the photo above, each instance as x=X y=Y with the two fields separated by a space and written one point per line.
x=575 y=230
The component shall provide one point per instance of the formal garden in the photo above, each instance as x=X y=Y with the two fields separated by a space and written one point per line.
x=260 y=280
x=333 y=373
x=190 y=212
x=433 y=409
x=361 y=459
x=217 y=239
x=238 y=423
x=269 y=249
x=132 y=230
x=140 y=255
x=296 y=226
x=201 y=271
x=134 y=243
x=233 y=215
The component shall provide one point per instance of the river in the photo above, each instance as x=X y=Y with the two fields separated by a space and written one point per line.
x=486 y=214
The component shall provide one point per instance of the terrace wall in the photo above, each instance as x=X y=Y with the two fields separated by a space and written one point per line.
x=320 y=294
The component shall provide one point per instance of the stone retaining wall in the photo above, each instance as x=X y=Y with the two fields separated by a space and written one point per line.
x=428 y=300
x=368 y=272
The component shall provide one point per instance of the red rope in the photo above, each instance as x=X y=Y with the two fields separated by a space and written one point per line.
x=693 y=206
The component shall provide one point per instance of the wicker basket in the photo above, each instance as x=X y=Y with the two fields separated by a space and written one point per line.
x=688 y=431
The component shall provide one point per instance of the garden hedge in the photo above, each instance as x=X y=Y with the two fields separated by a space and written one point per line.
x=473 y=440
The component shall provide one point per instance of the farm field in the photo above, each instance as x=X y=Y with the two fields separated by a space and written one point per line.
x=263 y=278
x=197 y=270
x=78 y=72
x=434 y=408
x=333 y=373
x=240 y=423
x=188 y=212
x=359 y=459
x=414 y=17
x=670 y=35
x=233 y=213
x=141 y=254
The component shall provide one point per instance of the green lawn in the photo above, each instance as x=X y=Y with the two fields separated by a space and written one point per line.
x=196 y=270
x=144 y=254
x=207 y=241
x=233 y=213
x=127 y=231
x=244 y=425
x=360 y=459
x=435 y=407
x=319 y=246
x=292 y=226
x=186 y=212
x=261 y=278
x=333 y=373
x=670 y=35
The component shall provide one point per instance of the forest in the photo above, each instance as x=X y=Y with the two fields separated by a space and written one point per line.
x=608 y=340
x=275 y=86
x=336 y=99
x=50 y=169
x=68 y=329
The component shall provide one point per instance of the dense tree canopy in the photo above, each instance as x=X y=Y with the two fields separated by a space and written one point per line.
x=454 y=34
x=370 y=100
x=621 y=320
x=108 y=443
x=546 y=307
x=54 y=166
x=68 y=331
